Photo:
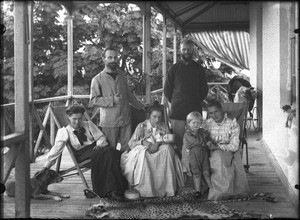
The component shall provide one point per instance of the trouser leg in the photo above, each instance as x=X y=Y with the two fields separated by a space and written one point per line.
x=125 y=135
x=112 y=135
x=178 y=127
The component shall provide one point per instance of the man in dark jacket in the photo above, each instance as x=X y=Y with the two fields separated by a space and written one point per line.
x=185 y=89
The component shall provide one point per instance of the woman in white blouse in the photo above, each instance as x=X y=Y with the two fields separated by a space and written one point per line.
x=150 y=164
x=228 y=177
x=88 y=141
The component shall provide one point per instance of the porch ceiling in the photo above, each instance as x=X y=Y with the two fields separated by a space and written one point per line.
x=193 y=16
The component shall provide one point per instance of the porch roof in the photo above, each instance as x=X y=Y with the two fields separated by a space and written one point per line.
x=192 y=16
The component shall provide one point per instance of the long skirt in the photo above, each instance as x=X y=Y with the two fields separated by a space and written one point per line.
x=159 y=174
x=106 y=174
x=228 y=176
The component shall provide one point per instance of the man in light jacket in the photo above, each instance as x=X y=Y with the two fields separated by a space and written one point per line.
x=110 y=92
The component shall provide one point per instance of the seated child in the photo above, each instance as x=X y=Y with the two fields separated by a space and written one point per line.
x=195 y=153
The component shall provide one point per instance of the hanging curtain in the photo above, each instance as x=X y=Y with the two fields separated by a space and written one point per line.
x=230 y=47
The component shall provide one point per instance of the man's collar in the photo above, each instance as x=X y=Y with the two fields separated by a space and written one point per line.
x=110 y=71
x=186 y=63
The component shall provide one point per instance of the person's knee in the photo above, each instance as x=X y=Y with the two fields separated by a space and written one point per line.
x=195 y=150
x=167 y=148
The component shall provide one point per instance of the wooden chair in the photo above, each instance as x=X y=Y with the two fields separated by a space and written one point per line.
x=60 y=118
x=239 y=111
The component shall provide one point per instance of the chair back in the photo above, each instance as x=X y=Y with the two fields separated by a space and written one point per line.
x=238 y=111
x=60 y=114
x=137 y=116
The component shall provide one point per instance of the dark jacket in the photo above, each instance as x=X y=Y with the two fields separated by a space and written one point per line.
x=185 y=88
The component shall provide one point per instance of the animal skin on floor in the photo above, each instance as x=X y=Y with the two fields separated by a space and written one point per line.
x=39 y=186
x=180 y=206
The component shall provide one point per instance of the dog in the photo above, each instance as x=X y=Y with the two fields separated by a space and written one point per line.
x=39 y=185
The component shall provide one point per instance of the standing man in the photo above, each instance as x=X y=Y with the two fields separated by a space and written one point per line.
x=110 y=92
x=185 y=89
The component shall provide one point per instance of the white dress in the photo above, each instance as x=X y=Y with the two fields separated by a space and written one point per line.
x=153 y=175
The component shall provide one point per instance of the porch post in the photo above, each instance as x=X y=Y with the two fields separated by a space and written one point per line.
x=70 y=56
x=22 y=165
x=255 y=61
x=164 y=49
x=30 y=73
x=147 y=48
x=175 y=46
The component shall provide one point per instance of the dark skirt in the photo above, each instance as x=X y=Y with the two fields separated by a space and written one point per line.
x=106 y=173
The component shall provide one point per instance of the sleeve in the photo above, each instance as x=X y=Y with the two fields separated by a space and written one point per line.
x=96 y=98
x=137 y=137
x=169 y=83
x=203 y=84
x=189 y=141
x=234 y=140
x=97 y=134
x=59 y=144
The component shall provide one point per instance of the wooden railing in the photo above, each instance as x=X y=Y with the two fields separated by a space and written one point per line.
x=217 y=90
x=42 y=121
x=8 y=137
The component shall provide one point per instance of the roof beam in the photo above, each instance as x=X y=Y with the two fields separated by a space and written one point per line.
x=189 y=8
x=209 y=6
x=166 y=11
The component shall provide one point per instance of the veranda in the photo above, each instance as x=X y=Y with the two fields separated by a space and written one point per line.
x=265 y=174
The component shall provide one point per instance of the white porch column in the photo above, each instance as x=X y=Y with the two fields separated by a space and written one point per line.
x=175 y=46
x=70 y=55
x=147 y=48
x=164 y=49
x=255 y=62
x=22 y=165
x=30 y=75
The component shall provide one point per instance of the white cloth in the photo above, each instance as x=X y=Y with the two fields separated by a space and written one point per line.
x=133 y=160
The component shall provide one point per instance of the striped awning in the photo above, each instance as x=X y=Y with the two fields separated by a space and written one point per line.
x=230 y=47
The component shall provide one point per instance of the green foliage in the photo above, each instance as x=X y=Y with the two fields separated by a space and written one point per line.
x=94 y=27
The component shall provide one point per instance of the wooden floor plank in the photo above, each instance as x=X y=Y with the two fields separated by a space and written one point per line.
x=262 y=177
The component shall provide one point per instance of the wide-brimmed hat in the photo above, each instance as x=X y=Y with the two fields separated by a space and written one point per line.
x=132 y=194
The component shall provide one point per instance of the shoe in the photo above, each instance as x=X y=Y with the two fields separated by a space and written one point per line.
x=197 y=195
x=90 y=194
x=117 y=195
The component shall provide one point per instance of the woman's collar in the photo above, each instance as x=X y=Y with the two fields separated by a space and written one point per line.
x=223 y=121
x=149 y=125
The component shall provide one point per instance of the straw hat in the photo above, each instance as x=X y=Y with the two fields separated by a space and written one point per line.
x=132 y=194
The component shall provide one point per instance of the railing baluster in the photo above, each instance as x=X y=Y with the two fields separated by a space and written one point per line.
x=41 y=132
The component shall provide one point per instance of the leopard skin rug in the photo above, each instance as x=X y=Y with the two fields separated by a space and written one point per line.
x=180 y=206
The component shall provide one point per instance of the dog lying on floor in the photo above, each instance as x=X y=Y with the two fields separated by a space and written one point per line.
x=39 y=185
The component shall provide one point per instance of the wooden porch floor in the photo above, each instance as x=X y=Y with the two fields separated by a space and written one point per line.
x=264 y=176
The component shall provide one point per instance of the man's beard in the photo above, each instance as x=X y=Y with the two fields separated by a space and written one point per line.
x=112 y=66
x=187 y=59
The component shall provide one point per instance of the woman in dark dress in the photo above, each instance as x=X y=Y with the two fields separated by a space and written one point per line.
x=88 y=141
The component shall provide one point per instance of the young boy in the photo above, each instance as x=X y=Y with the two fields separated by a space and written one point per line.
x=196 y=145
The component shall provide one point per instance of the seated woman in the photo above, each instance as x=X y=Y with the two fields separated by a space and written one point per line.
x=228 y=177
x=88 y=141
x=150 y=164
